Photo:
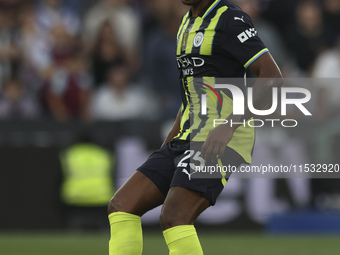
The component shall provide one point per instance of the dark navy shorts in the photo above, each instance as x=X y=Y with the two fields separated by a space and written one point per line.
x=180 y=164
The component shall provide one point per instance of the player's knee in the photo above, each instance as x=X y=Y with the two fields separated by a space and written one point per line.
x=117 y=204
x=114 y=205
x=169 y=219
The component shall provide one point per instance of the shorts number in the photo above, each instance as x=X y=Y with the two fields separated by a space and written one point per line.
x=196 y=157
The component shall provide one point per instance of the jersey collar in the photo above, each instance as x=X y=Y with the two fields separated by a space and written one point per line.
x=205 y=12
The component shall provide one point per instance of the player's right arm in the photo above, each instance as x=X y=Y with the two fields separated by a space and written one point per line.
x=175 y=128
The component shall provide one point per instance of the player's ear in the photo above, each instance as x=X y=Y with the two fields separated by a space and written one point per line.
x=265 y=67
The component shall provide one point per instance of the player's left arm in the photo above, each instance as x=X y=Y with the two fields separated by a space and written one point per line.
x=265 y=68
x=242 y=42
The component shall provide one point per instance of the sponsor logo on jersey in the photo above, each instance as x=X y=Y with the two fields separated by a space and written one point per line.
x=198 y=39
x=185 y=61
x=247 y=34
x=187 y=64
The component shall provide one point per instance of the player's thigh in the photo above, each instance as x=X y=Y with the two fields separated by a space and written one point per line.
x=182 y=206
x=137 y=196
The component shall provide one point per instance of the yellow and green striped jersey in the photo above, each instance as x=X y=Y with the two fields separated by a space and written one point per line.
x=221 y=42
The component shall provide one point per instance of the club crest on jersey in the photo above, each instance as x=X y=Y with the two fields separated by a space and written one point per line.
x=247 y=34
x=198 y=39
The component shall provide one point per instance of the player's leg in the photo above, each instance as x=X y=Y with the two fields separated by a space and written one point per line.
x=189 y=195
x=145 y=190
x=137 y=196
x=181 y=208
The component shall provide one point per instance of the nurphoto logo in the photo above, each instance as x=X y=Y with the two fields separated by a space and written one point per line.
x=304 y=96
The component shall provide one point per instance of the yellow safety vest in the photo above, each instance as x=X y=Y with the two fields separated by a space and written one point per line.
x=87 y=170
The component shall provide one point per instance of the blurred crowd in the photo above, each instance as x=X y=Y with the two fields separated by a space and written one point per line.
x=115 y=59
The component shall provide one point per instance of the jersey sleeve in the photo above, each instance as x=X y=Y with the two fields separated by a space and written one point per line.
x=240 y=38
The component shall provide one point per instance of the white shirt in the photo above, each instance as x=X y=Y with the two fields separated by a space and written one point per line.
x=134 y=102
x=327 y=66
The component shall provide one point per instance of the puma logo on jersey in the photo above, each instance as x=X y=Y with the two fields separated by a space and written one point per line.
x=237 y=18
x=187 y=173
x=247 y=34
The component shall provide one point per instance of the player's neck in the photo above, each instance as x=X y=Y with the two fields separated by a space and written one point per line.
x=197 y=9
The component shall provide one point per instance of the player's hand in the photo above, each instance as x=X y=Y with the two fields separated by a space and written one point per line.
x=216 y=142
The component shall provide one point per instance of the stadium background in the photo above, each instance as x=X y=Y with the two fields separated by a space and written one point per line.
x=104 y=72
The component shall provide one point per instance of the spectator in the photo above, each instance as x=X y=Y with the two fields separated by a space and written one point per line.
x=332 y=20
x=106 y=53
x=119 y=100
x=281 y=14
x=160 y=64
x=155 y=12
x=122 y=17
x=34 y=49
x=51 y=13
x=9 y=53
x=77 y=6
x=67 y=89
x=307 y=38
x=327 y=65
x=16 y=104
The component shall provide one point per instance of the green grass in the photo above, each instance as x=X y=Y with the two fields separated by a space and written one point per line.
x=213 y=243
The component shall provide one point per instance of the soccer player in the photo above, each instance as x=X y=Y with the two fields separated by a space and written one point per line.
x=216 y=39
